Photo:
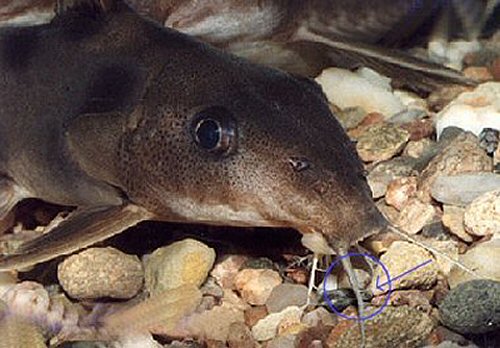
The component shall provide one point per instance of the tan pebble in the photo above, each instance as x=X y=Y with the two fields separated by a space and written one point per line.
x=267 y=328
x=254 y=314
x=495 y=69
x=415 y=214
x=482 y=216
x=400 y=191
x=453 y=219
x=400 y=257
x=484 y=259
x=225 y=271
x=181 y=263
x=478 y=73
x=240 y=336
x=101 y=272
x=255 y=285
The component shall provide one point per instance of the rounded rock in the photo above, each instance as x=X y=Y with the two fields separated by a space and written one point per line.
x=402 y=256
x=101 y=272
x=472 y=307
x=482 y=216
x=186 y=262
x=256 y=285
x=381 y=142
x=286 y=295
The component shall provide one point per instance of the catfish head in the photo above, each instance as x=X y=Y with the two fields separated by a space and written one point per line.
x=218 y=140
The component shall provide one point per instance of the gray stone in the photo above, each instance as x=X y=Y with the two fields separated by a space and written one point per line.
x=472 y=307
x=383 y=173
x=462 y=189
x=286 y=295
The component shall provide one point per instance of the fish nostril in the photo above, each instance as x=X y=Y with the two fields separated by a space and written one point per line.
x=299 y=164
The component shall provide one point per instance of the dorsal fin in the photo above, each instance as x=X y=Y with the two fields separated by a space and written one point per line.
x=89 y=8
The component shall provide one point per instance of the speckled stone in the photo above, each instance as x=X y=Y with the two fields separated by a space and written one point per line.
x=472 y=307
x=381 y=142
x=415 y=214
x=395 y=327
x=181 y=263
x=286 y=295
x=402 y=256
x=101 y=272
x=418 y=148
x=482 y=216
x=462 y=155
x=385 y=172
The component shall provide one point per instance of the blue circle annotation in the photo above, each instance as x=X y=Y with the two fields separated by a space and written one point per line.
x=388 y=283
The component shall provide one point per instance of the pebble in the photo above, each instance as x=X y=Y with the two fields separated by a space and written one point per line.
x=453 y=219
x=319 y=317
x=418 y=148
x=472 y=307
x=400 y=257
x=101 y=272
x=462 y=189
x=484 y=259
x=407 y=116
x=350 y=117
x=472 y=111
x=419 y=129
x=462 y=155
x=180 y=263
x=254 y=314
x=416 y=214
x=226 y=270
x=395 y=327
x=362 y=88
x=256 y=285
x=286 y=341
x=239 y=336
x=482 y=216
x=381 y=142
x=441 y=97
x=267 y=328
x=383 y=173
x=478 y=73
x=400 y=190
x=286 y=295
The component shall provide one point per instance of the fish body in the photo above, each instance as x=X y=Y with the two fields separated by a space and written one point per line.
x=130 y=121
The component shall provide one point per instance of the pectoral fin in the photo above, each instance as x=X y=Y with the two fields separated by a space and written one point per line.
x=81 y=229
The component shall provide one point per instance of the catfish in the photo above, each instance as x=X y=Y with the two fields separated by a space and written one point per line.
x=127 y=121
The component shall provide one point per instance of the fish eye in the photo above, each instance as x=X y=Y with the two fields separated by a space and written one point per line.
x=214 y=130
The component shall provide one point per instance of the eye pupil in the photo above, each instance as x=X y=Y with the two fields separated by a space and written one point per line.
x=208 y=134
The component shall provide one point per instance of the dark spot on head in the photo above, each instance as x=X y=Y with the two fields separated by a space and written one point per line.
x=111 y=89
x=18 y=47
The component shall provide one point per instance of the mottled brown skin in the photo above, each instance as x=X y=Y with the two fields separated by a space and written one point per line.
x=97 y=112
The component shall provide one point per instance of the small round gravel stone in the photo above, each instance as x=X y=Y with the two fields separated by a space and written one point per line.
x=101 y=272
